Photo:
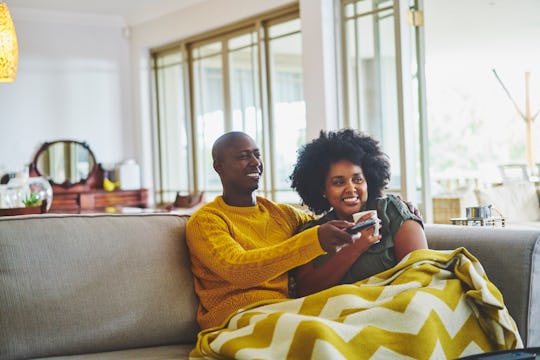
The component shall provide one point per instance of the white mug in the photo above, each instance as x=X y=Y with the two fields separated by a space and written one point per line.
x=360 y=214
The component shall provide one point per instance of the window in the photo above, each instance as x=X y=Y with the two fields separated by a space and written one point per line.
x=209 y=111
x=371 y=73
x=383 y=86
x=287 y=104
x=246 y=77
x=173 y=150
x=474 y=127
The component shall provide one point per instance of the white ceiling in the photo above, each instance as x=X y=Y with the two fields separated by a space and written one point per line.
x=132 y=11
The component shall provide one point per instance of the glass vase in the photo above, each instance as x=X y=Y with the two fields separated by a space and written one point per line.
x=39 y=188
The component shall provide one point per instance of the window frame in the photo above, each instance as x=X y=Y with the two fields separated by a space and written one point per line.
x=259 y=25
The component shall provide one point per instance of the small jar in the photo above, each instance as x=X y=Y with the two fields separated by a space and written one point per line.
x=41 y=188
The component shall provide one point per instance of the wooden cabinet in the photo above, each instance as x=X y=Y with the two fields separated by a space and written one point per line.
x=98 y=199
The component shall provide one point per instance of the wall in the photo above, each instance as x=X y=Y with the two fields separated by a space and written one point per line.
x=72 y=83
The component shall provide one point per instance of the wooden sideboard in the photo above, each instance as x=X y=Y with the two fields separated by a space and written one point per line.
x=98 y=199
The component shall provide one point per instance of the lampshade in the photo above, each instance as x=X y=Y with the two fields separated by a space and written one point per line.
x=9 y=52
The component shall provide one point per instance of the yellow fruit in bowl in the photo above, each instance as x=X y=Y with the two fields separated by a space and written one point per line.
x=108 y=185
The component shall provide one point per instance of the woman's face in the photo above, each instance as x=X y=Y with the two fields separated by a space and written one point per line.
x=345 y=188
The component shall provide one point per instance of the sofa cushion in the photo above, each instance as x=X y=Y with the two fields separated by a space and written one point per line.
x=73 y=284
x=517 y=201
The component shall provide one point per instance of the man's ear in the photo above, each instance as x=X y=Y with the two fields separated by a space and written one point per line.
x=218 y=167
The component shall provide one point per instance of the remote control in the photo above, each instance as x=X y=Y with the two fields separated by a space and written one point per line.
x=361 y=225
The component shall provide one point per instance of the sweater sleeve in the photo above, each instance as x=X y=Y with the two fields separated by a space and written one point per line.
x=213 y=240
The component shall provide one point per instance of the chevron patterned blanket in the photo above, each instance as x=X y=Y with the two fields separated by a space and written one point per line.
x=432 y=305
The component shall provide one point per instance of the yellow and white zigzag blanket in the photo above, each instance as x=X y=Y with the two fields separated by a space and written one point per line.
x=432 y=305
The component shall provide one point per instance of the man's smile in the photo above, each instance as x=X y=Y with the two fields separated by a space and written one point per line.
x=255 y=174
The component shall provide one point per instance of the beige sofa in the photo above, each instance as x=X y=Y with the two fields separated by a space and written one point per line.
x=120 y=287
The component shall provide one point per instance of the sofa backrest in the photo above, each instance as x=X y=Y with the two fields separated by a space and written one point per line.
x=73 y=284
x=511 y=259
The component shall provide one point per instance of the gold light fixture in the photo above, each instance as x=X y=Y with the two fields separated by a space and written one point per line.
x=9 y=51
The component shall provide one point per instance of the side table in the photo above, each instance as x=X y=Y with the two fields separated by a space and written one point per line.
x=492 y=221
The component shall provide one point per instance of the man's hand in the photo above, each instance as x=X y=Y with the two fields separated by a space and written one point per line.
x=332 y=237
x=412 y=208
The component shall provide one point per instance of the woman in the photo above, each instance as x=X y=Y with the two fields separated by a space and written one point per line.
x=339 y=174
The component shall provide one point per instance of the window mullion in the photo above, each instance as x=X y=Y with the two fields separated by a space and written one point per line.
x=264 y=84
x=226 y=74
x=190 y=116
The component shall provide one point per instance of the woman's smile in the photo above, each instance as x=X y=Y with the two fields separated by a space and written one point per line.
x=351 y=200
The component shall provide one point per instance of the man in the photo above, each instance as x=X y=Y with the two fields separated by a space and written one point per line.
x=243 y=245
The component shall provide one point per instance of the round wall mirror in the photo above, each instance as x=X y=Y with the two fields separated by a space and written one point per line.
x=65 y=162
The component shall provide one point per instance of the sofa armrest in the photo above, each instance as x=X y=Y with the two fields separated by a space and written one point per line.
x=511 y=259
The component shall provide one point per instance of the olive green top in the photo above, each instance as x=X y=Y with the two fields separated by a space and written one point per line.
x=380 y=256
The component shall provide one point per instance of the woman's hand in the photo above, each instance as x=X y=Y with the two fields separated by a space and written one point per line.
x=367 y=237
x=371 y=234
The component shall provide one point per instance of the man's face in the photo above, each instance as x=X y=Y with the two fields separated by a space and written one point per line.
x=240 y=166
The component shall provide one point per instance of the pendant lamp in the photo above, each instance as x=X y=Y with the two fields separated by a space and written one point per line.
x=9 y=52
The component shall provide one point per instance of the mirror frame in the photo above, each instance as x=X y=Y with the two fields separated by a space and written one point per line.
x=66 y=184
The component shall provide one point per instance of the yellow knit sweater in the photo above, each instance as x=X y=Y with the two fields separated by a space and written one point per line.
x=241 y=255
